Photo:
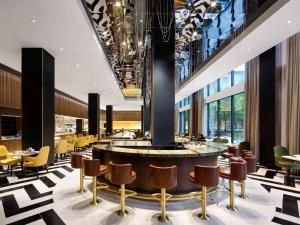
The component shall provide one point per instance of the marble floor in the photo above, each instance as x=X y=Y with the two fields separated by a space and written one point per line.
x=51 y=199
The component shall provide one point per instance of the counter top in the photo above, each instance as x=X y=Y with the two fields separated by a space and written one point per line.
x=209 y=150
x=10 y=138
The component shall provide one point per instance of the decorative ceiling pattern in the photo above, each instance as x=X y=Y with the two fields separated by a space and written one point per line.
x=116 y=25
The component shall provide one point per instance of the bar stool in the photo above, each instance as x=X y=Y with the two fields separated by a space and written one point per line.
x=205 y=176
x=242 y=183
x=232 y=151
x=163 y=178
x=251 y=168
x=92 y=168
x=77 y=163
x=236 y=172
x=122 y=174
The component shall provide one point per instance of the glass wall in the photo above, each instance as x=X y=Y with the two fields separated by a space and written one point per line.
x=184 y=121
x=225 y=115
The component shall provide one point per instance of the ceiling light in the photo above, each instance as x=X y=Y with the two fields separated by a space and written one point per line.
x=195 y=33
x=61 y=49
x=33 y=21
x=77 y=65
x=141 y=21
x=124 y=43
x=140 y=43
x=289 y=21
x=248 y=50
x=213 y=4
x=104 y=32
x=118 y=3
x=107 y=43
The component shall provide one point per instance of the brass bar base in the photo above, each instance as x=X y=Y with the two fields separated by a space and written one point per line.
x=81 y=189
x=231 y=197
x=95 y=201
x=243 y=190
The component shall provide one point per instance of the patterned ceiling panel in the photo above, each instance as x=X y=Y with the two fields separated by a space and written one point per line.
x=115 y=23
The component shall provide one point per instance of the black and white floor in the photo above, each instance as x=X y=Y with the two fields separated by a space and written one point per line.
x=51 y=199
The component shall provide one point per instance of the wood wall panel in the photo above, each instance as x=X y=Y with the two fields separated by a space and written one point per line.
x=69 y=107
x=10 y=90
x=126 y=116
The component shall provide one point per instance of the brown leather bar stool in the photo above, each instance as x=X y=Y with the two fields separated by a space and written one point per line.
x=232 y=151
x=92 y=168
x=205 y=176
x=163 y=178
x=244 y=153
x=242 y=183
x=236 y=172
x=122 y=174
x=77 y=163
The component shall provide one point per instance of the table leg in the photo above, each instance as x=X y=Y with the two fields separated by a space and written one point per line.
x=288 y=180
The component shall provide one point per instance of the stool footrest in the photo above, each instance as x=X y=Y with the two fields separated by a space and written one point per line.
x=195 y=194
x=101 y=185
x=129 y=193
x=157 y=196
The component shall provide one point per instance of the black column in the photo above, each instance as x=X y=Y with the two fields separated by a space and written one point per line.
x=79 y=126
x=142 y=119
x=109 y=120
x=146 y=118
x=38 y=99
x=94 y=115
x=267 y=61
x=163 y=76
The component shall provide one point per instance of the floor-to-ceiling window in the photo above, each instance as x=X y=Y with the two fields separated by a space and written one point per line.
x=225 y=111
x=184 y=115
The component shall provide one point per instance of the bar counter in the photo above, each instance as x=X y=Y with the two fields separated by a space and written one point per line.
x=142 y=156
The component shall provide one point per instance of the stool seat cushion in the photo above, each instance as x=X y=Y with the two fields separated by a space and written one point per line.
x=225 y=172
x=192 y=176
x=103 y=169
x=227 y=155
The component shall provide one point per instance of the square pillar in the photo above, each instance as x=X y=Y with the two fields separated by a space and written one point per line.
x=38 y=121
x=109 y=120
x=94 y=113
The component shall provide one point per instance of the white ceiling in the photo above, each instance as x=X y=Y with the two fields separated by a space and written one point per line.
x=269 y=30
x=61 y=24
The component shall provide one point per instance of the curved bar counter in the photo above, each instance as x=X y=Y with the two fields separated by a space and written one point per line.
x=142 y=156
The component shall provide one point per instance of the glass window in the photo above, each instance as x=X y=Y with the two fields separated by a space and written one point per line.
x=187 y=121
x=239 y=75
x=238 y=117
x=225 y=118
x=225 y=81
x=213 y=119
x=213 y=88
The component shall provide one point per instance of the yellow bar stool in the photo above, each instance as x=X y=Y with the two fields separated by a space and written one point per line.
x=92 y=168
x=205 y=176
x=122 y=174
x=163 y=178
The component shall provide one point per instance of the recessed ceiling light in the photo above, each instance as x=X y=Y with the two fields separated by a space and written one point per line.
x=141 y=21
x=61 y=49
x=33 y=21
x=289 y=21
x=248 y=49
x=77 y=65
x=107 y=43
x=118 y=3
x=124 y=43
x=140 y=43
x=104 y=33
x=213 y=4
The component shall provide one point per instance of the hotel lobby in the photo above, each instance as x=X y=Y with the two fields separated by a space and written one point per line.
x=149 y=112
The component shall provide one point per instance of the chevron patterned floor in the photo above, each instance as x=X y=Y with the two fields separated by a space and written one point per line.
x=28 y=199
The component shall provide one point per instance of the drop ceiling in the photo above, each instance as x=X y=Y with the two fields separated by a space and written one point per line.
x=63 y=29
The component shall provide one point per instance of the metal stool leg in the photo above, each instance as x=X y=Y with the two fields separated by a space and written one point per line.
x=163 y=217
x=203 y=214
x=243 y=190
x=94 y=201
x=122 y=211
x=231 y=197
x=81 y=190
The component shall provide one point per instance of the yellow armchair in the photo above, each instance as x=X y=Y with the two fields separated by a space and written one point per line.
x=81 y=142
x=71 y=145
x=6 y=159
x=61 y=148
x=40 y=160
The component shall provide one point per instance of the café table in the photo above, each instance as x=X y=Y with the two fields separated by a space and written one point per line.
x=21 y=154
